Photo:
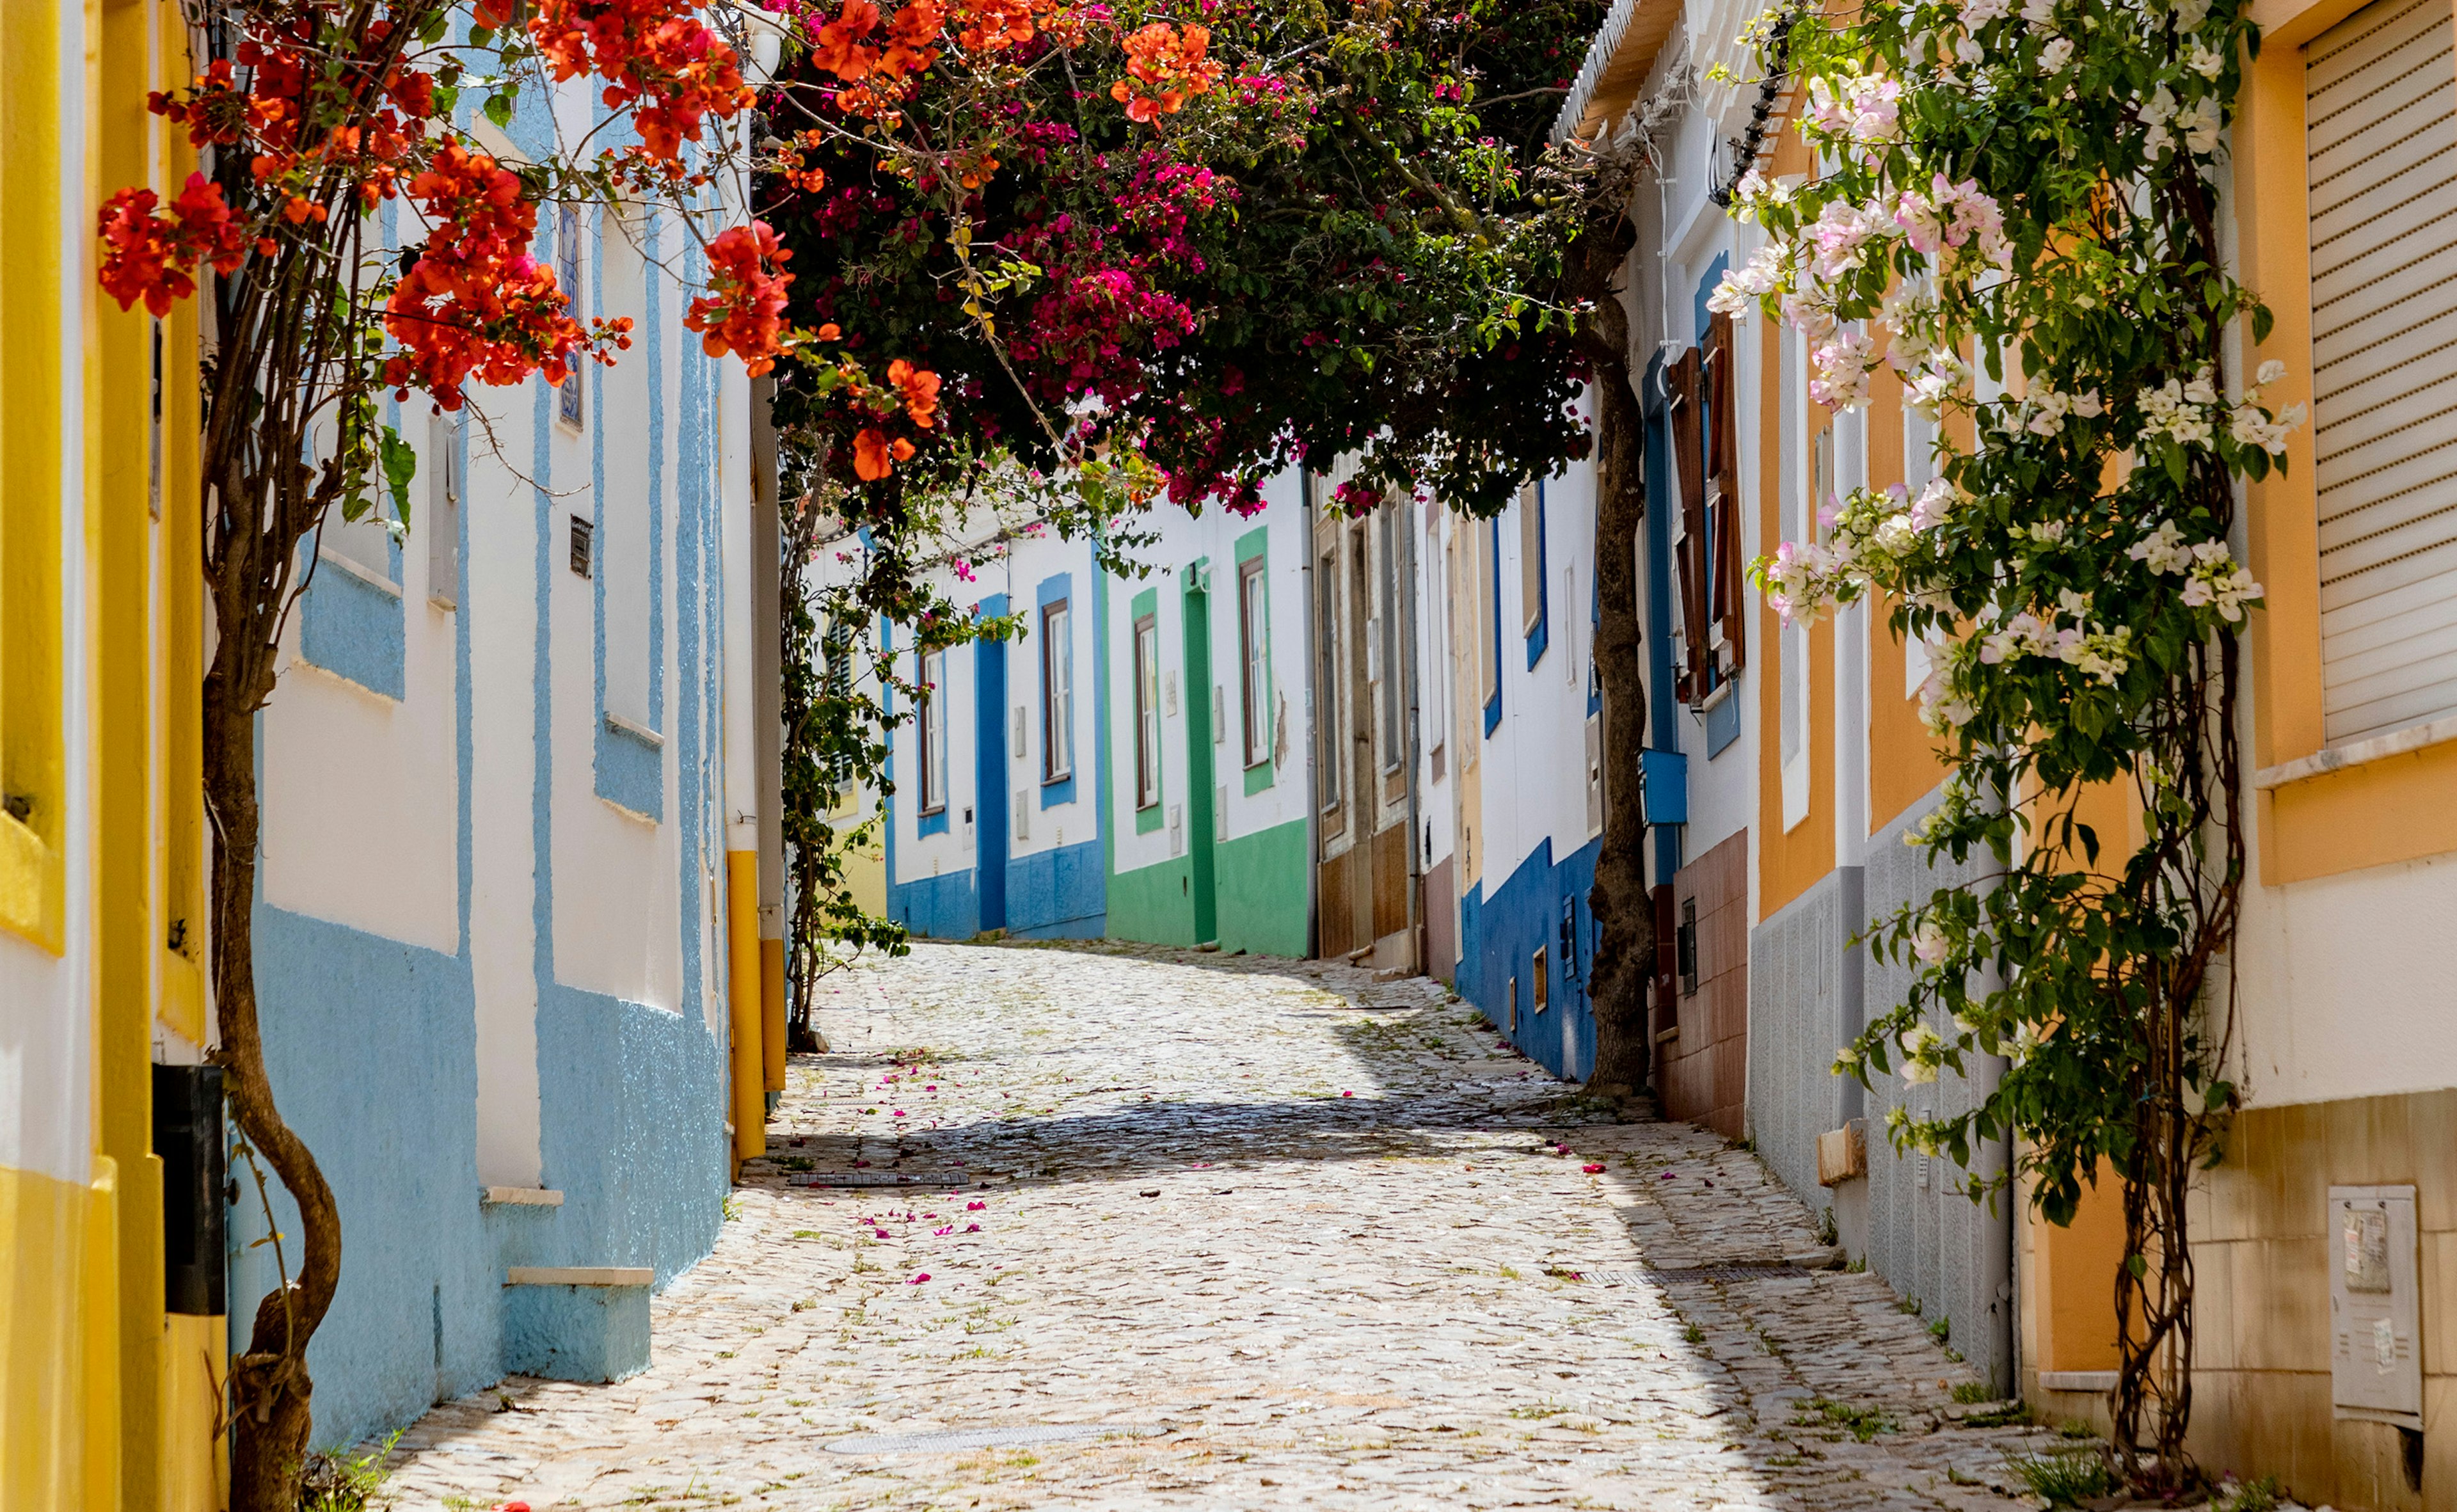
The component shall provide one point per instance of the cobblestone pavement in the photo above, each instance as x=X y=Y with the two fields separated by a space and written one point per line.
x=1291 y=1236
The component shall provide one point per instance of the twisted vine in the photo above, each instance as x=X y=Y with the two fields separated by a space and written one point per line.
x=2015 y=210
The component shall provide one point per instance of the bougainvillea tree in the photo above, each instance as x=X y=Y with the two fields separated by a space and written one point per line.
x=1156 y=255
x=2017 y=212
x=355 y=240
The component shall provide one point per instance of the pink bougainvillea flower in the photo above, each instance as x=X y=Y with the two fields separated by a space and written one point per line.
x=940 y=1234
x=972 y=1228
x=1593 y=1169
x=975 y=1206
x=1347 y=1094
x=919 y=1280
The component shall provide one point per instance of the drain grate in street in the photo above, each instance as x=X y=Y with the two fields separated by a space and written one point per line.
x=956 y=1441
x=879 y=1178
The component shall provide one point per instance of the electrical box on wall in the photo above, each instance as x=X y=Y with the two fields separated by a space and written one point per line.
x=2375 y=1340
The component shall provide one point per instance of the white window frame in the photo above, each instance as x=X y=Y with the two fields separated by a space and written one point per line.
x=1146 y=675
x=1057 y=691
x=931 y=738
x=1253 y=651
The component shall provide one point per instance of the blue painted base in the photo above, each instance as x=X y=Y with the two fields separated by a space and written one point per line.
x=1499 y=938
x=372 y=1046
x=937 y=907
x=576 y=1333
x=1056 y=894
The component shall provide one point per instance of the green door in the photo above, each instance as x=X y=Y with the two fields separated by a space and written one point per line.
x=1199 y=796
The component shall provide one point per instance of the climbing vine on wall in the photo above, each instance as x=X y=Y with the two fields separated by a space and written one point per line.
x=2016 y=210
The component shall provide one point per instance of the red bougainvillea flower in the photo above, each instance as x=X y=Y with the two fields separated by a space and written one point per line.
x=744 y=311
x=1165 y=69
x=147 y=255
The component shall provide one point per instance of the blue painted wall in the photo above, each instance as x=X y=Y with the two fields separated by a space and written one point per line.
x=1499 y=936
x=372 y=1043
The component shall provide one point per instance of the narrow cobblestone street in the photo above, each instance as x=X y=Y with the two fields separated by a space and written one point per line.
x=1207 y=1232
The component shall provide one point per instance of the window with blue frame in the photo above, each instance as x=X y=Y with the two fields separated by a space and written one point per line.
x=1057 y=693
x=567 y=273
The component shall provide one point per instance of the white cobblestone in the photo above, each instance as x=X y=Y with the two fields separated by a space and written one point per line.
x=1315 y=1233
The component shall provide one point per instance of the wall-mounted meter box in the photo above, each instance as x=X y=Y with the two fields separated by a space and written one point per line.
x=2375 y=1338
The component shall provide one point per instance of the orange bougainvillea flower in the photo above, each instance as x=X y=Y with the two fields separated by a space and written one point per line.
x=919 y=388
x=837 y=46
x=870 y=456
x=659 y=60
x=1165 y=69
x=744 y=311
x=147 y=255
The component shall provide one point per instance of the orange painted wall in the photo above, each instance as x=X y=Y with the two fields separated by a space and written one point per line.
x=2385 y=811
x=1905 y=761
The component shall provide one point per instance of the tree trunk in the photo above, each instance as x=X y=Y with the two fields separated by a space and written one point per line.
x=269 y=1386
x=1625 y=952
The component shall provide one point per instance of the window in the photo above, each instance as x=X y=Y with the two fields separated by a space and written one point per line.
x=1539 y=979
x=1686 y=947
x=1255 y=672
x=932 y=734
x=1146 y=712
x=1057 y=694
x=1441 y=650
x=1327 y=703
x=583 y=545
x=2378 y=88
x=1795 y=496
x=1531 y=570
x=1487 y=648
x=441 y=524
x=1919 y=466
x=1391 y=647
x=1711 y=630
x=567 y=273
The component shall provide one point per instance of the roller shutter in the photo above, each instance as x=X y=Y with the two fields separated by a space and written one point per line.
x=2381 y=127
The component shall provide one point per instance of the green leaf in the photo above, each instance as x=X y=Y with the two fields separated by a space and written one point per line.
x=498 y=109
x=399 y=465
x=2136 y=1267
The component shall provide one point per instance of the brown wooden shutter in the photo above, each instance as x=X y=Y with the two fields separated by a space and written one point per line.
x=1690 y=463
x=1730 y=597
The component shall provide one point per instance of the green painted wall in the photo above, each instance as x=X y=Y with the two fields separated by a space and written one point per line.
x=1262 y=887
x=1153 y=904
x=1262 y=896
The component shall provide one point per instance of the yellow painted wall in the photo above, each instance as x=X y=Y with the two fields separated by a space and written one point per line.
x=742 y=1002
x=94 y=1414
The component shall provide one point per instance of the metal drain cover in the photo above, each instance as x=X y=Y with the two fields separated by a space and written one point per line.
x=878 y=1178
x=956 y=1441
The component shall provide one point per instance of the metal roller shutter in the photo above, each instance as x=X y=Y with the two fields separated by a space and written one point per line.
x=2380 y=132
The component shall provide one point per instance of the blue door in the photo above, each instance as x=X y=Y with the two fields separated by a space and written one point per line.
x=989 y=773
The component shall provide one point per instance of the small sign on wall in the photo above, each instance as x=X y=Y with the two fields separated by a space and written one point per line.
x=2375 y=1342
